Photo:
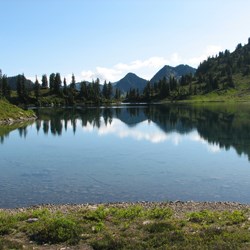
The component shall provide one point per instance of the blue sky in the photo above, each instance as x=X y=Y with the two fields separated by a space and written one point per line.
x=109 y=38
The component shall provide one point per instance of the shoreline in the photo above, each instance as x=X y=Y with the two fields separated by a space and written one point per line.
x=10 y=121
x=179 y=207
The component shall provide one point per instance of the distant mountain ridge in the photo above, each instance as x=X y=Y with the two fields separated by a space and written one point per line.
x=132 y=81
x=176 y=72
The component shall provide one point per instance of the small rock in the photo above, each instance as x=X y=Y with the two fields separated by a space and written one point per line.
x=146 y=222
x=31 y=220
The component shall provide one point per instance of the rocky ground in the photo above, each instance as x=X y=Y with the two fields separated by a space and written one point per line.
x=179 y=207
x=140 y=225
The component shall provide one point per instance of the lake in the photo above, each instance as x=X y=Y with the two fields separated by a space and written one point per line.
x=127 y=153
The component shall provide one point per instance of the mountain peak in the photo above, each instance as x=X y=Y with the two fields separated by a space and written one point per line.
x=130 y=81
x=177 y=72
x=131 y=75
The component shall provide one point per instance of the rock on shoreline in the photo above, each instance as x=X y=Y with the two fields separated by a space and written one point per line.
x=10 y=121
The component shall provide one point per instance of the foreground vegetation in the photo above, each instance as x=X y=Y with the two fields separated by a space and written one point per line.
x=124 y=227
x=9 y=112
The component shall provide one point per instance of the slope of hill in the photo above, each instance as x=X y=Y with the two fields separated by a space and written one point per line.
x=176 y=72
x=226 y=76
x=10 y=113
x=130 y=81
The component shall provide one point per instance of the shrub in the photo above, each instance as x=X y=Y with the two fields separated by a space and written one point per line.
x=160 y=213
x=234 y=217
x=159 y=227
x=130 y=213
x=55 y=230
x=204 y=216
x=6 y=223
x=108 y=242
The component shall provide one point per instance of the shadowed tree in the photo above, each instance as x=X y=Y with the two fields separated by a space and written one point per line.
x=37 y=89
x=5 y=87
x=65 y=89
x=73 y=82
x=58 y=83
x=52 y=82
x=44 y=81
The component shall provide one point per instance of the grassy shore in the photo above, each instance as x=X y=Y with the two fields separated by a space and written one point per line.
x=172 y=225
x=10 y=113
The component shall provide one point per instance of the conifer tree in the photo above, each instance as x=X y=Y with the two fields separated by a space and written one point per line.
x=5 y=87
x=73 y=82
x=37 y=89
x=105 y=89
x=109 y=91
x=52 y=82
x=44 y=81
x=65 y=89
x=21 y=88
x=57 y=83
x=1 y=85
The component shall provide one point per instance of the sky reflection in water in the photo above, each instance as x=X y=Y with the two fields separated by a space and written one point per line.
x=153 y=153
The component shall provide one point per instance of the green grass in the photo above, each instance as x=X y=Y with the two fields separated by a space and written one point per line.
x=131 y=227
x=9 y=111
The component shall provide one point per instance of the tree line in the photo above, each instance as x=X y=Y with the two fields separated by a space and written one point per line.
x=54 y=89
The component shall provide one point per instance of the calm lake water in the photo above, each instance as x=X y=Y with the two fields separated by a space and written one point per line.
x=127 y=153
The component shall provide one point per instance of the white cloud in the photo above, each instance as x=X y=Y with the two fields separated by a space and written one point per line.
x=211 y=50
x=143 y=68
x=148 y=67
x=119 y=129
x=119 y=70
x=153 y=134
x=152 y=62
x=88 y=75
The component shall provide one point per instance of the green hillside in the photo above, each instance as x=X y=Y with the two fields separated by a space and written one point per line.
x=225 y=77
x=10 y=112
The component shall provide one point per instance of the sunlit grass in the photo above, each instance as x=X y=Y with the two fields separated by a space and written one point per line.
x=130 y=227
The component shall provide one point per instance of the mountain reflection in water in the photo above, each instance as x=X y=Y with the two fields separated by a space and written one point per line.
x=127 y=153
x=220 y=126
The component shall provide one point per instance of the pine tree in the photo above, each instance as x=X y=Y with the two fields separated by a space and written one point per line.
x=65 y=89
x=21 y=88
x=84 y=91
x=105 y=90
x=96 y=90
x=44 y=81
x=1 y=85
x=37 y=89
x=52 y=82
x=5 y=87
x=147 y=90
x=58 y=83
x=73 y=82
x=109 y=91
x=117 y=94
